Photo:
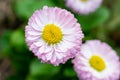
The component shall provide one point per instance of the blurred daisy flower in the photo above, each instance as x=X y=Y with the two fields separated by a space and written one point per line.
x=83 y=6
x=97 y=61
x=53 y=35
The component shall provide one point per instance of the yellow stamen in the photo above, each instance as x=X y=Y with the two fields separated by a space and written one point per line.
x=83 y=0
x=52 y=34
x=97 y=63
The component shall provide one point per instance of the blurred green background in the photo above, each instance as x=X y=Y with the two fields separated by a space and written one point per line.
x=18 y=63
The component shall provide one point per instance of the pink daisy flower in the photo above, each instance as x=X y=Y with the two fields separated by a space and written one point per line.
x=97 y=61
x=83 y=6
x=53 y=35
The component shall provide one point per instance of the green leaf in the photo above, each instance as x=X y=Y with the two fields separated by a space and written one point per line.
x=45 y=77
x=25 y=8
x=37 y=68
x=69 y=72
x=17 y=39
x=94 y=19
x=4 y=43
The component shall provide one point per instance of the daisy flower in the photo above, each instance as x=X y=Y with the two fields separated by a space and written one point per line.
x=53 y=35
x=97 y=61
x=83 y=6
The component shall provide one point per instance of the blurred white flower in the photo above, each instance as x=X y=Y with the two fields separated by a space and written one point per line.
x=83 y=6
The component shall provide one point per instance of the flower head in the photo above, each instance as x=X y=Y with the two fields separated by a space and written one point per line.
x=97 y=61
x=53 y=35
x=83 y=6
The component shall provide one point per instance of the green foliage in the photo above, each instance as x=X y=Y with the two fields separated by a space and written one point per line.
x=40 y=70
x=17 y=39
x=115 y=20
x=94 y=19
x=69 y=72
x=25 y=8
x=4 y=43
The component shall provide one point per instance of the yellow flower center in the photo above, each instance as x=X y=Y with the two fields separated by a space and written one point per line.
x=97 y=63
x=83 y=0
x=52 y=34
